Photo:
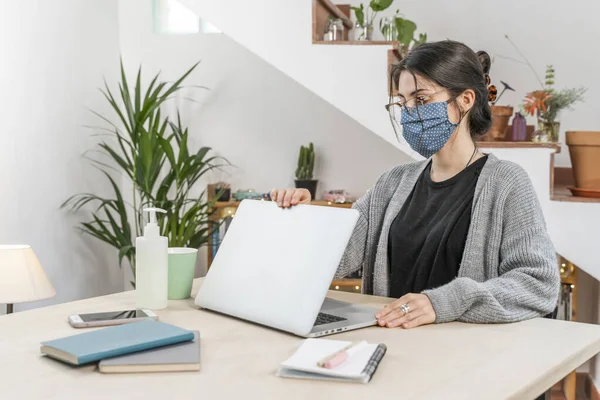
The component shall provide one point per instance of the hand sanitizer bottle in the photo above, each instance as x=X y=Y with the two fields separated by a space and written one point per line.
x=152 y=265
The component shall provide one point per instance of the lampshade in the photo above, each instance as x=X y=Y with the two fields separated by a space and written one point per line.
x=22 y=278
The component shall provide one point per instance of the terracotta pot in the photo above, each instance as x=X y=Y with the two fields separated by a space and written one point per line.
x=584 y=148
x=500 y=117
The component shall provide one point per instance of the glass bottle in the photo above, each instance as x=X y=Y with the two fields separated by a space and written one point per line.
x=336 y=30
x=387 y=26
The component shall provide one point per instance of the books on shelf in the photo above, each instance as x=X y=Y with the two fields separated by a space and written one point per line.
x=219 y=234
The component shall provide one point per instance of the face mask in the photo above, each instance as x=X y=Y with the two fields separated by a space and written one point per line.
x=427 y=129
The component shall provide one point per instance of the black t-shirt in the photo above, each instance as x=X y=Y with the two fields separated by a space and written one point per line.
x=427 y=237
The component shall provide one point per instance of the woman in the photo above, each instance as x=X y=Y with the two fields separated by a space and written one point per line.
x=461 y=235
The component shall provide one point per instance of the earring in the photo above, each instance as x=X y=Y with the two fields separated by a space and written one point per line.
x=492 y=91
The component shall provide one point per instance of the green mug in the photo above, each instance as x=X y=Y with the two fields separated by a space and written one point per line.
x=182 y=264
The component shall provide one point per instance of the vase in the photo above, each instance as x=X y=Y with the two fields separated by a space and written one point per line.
x=363 y=32
x=584 y=149
x=518 y=132
x=334 y=31
x=547 y=132
x=500 y=117
x=388 y=28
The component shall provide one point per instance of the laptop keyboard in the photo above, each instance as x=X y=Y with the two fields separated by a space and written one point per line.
x=323 y=319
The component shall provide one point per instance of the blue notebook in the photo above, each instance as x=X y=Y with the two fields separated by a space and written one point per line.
x=114 y=341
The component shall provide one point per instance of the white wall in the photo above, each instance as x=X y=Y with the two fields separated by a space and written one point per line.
x=254 y=115
x=352 y=78
x=553 y=32
x=54 y=55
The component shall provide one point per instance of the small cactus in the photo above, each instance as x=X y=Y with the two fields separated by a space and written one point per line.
x=306 y=163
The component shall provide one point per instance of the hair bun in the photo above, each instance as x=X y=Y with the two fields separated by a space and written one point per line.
x=485 y=60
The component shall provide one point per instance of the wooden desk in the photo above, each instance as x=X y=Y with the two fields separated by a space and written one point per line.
x=448 y=361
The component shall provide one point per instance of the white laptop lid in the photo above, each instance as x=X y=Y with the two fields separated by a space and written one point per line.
x=274 y=266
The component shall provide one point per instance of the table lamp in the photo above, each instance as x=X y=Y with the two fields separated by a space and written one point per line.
x=22 y=278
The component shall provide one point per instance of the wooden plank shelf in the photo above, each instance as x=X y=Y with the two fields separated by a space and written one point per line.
x=355 y=42
x=519 y=145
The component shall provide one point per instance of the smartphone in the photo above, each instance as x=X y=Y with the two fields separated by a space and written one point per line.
x=110 y=318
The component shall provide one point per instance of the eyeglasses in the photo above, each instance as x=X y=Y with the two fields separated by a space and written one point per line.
x=411 y=103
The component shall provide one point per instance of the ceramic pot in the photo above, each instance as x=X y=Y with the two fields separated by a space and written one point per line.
x=308 y=184
x=584 y=148
x=225 y=194
x=500 y=118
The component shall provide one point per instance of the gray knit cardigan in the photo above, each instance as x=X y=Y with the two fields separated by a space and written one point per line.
x=509 y=269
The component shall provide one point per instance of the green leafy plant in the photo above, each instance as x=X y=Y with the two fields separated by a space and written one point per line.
x=365 y=18
x=306 y=163
x=406 y=35
x=548 y=102
x=359 y=12
x=420 y=40
x=153 y=155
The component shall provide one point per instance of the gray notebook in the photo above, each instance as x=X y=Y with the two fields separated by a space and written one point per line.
x=178 y=357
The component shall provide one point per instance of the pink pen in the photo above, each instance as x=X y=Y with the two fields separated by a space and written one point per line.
x=340 y=356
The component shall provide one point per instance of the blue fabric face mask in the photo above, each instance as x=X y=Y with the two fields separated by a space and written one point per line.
x=427 y=128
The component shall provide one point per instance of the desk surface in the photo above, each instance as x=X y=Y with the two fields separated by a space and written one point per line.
x=448 y=361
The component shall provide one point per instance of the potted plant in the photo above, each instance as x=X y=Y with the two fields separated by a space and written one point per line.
x=546 y=103
x=222 y=191
x=405 y=36
x=365 y=19
x=304 y=171
x=500 y=114
x=584 y=149
x=403 y=41
x=151 y=154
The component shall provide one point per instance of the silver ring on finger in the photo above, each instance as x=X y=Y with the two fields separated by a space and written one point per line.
x=405 y=308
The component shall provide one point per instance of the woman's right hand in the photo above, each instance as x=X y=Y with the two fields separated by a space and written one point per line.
x=290 y=197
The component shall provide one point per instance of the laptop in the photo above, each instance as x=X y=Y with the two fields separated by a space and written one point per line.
x=275 y=265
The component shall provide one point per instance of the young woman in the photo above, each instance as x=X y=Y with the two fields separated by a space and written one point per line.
x=459 y=236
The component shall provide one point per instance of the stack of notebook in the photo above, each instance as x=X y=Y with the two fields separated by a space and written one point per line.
x=146 y=346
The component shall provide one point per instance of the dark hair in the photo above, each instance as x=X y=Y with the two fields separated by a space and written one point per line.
x=456 y=67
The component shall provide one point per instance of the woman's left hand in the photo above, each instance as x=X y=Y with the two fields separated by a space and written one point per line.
x=417 y=311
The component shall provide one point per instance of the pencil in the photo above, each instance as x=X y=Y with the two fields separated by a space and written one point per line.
x=323 y=361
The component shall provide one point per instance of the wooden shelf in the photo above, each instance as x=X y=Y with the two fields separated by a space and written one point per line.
x=347 y=285
x=519 y=145
x=561 y=193
x=560 y=179
x=355 y=42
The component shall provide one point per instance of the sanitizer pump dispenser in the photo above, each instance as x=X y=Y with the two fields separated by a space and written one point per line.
x=152 y=265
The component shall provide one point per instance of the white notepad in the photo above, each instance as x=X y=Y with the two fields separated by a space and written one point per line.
x=360 y=367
